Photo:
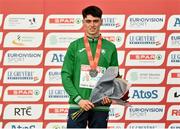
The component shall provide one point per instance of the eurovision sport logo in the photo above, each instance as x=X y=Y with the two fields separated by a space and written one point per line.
x=145 y=22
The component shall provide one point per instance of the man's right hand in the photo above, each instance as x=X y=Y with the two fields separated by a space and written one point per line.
x=86 y=104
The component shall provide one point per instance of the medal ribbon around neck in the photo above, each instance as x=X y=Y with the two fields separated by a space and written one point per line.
x=93 y=62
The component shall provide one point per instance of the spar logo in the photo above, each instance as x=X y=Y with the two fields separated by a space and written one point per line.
x=146 y=126
x=174 y=113
x=56 y=125
x=173 y=40
x=63 y=22
x=55 y=58
x=53 y=76
x=145 y=76
x=174 y=95
x=145 y=40
x=174 y=22
x=116 y=38
x=61 y=40
x=145 y=112
x=145 y=58
x=23 y=21
x=23 y=57
x=116 y=112
x=115 y=125
x=56 y=94
x=23 y=39
x=112 y=22
x=23 y=93
x=174 y=126
x=174 y=58
x=1 y=35
x=146 y=94
x=23 y=125
x=145 y=22
x=23 y=75
x=56 y=112
x=23 y=111
x=173 y=76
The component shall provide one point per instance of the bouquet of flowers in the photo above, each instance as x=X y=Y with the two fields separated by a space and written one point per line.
x=110 y=85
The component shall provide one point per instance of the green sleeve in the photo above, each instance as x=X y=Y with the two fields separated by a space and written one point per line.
x=67 y=73
x=114 y=58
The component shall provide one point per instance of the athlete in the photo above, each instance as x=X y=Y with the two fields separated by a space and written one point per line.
x=85 y=62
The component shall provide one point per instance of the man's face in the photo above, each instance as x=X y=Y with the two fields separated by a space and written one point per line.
x=92 y=25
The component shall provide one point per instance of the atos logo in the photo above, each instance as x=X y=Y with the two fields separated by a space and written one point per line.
x=174 y=22
x=57 y=58
x=22 y=111
x=23 y=127
x=177 y=22
x=145 y=94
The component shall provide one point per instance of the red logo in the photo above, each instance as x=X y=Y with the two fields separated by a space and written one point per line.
x=143 y=57
x=58 y=110
x=175 y=112
x=20 y=92
x=175 y=75
x=61 y=20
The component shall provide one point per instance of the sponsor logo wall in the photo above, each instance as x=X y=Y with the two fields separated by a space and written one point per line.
x=34 y=36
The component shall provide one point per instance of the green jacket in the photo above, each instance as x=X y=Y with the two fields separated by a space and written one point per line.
x=75 y=56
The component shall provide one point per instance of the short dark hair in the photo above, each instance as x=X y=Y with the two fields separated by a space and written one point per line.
x=92 y=10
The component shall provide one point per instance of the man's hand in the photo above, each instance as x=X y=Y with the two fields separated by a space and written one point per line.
x=106 y=101
x=86 y=104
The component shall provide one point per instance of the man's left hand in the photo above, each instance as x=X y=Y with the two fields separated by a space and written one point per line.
x=106 y=101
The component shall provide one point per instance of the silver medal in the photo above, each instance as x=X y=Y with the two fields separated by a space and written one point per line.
x=93 y=72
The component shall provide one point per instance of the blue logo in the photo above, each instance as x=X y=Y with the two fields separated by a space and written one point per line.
x=140 y=94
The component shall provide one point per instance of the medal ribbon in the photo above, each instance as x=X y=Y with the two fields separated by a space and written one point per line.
x=93 y=62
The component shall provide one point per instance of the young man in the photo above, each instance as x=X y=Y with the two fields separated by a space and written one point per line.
x=85 y=62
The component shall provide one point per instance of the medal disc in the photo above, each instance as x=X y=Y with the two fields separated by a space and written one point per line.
x=93 y=73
